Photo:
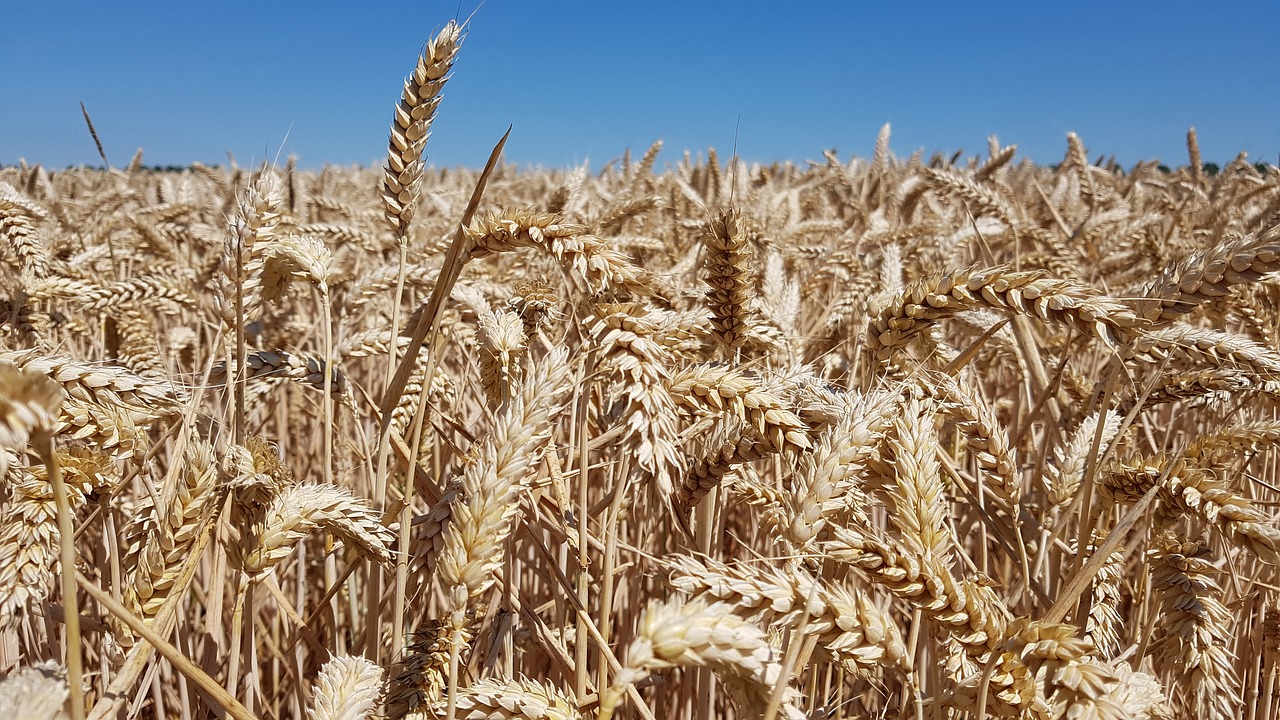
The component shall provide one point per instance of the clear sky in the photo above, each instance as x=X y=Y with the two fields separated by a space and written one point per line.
x=581 y=80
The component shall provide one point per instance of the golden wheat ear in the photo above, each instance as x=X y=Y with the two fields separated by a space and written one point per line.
x=411 y=127
x=301 y=509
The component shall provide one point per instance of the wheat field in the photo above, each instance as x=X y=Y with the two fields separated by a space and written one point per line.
x=948 y=437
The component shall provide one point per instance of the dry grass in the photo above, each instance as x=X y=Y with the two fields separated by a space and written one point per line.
x=923 y=438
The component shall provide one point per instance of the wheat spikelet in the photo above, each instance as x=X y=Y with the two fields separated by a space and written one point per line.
x=373 y=285
x=163 y=540
x=969 y=612
x=918 y=496
x=978 y=196
x=535 y=303
x=272 y=269
x=29 y=540
x=1245 y=437
x=1192 y=650
x=419 y=680
x=268 y=367
x=999 y=157
x=987 y=441
x=29 y=404
x=613 y=218
x=1140 y=694
x=1102 y=627
x=254 y=226
x=100 y=384
x=411 y=127
x=18 y=217
x=370 y=343
x=1193 y=154
x=138 y=342
x=1075 y=686
x=730 y=280
x=1195 y=388
x=254 y=473
x=720 y=388
x=1215 y=346
x=826 y=482
x=925 y=583
x=625 y=336
x=347 y=689
x=161 y=293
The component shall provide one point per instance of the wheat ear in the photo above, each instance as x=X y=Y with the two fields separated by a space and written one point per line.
x=347 y=689
x=591 y=259
x=161 y=541
x=412 y=126
x=695 y=633
x=1191 y=490
x=936 y=297
x=519 y=699
x=300 y=509
x=29 y=403
x=484 y=510
x=1195 y=630
x=849 y=627
x=36 y=692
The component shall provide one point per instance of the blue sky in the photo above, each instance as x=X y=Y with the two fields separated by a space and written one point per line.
x=190 y=81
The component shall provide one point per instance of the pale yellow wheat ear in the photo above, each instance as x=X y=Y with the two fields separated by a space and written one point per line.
x=1066 y=473
x=411 y=127
x=918 y=493
x=637 y=369
x=1209 y=274
x=520 y=699
x=347 y=689
x=103 y=404
x=849 y=628
x=827 y=483
x=301 y=509
x=160 y=539
x=699 y=634
x=418 y=680
x=1056 y=301
x=304 y=257
x=502 y=339
x=29 y=403
x=593 y=261
x=1193 y=491
x=483 y=512
x=38 y=692
x=19 y=216
x=31 y=529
